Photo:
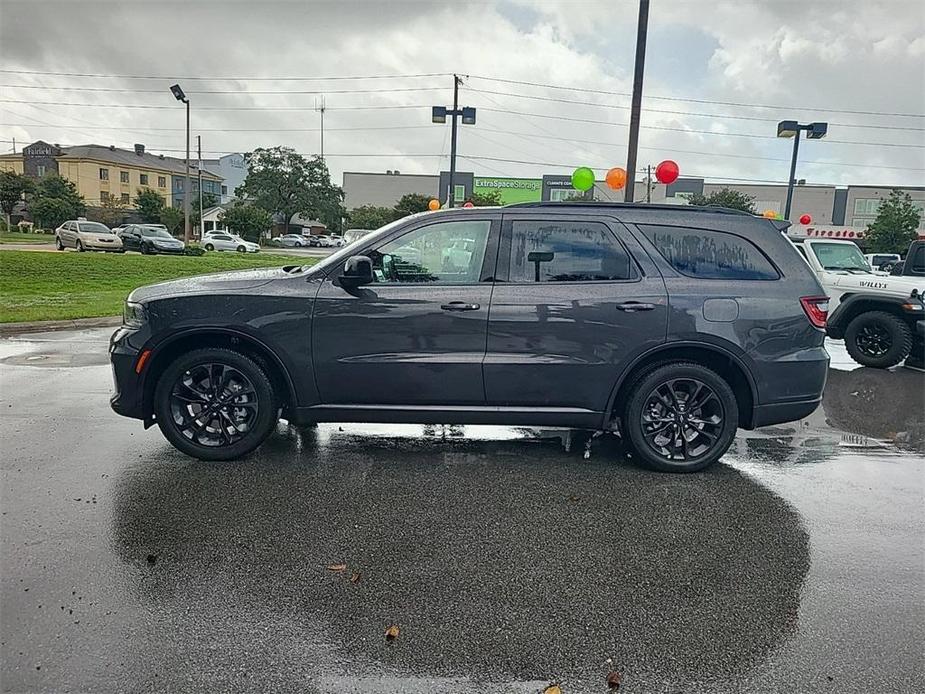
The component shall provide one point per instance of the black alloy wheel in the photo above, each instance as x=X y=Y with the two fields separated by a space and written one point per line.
x=215 y=404
x=878 y=339
x=680 y=417
x=874 y=340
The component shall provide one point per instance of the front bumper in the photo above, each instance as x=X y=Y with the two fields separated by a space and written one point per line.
x=128 y=398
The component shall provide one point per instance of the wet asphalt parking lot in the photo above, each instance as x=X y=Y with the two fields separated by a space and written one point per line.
x=509 y=559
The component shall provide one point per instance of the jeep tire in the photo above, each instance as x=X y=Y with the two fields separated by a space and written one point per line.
x=878 y=339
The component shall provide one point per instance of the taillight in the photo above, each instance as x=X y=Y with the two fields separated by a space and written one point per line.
x=816 y=308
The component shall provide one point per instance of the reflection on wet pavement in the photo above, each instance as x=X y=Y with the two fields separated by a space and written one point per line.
x=507 y=557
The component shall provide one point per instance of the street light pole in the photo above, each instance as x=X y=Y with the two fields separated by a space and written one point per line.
x=451 y=202
x=793 y=173
x=636 y=107
x=199 y=155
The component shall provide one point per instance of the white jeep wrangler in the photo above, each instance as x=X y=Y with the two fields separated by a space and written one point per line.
x=880 y=317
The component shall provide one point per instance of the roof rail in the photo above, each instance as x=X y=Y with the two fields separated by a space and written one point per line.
x=635 y=206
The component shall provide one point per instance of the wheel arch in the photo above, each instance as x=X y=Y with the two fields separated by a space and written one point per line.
x=853 y=305
x=165 y=351
x=723 y=361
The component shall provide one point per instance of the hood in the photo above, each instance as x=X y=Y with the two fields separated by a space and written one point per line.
x=208 y=284
x=892 y=285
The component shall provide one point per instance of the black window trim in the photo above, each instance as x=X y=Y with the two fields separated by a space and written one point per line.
x=507 y=239
x=672 y=268
x=489 y=262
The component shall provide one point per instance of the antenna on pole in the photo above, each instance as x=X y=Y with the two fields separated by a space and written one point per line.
x=321 y=110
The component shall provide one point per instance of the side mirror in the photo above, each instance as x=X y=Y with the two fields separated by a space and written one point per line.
x=358 y=270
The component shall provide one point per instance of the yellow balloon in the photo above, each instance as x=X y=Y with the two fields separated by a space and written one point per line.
x=434 y=204
x=769 y=214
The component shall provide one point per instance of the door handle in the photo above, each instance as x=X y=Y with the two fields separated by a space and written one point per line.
x=633 y=306
x=459 y=306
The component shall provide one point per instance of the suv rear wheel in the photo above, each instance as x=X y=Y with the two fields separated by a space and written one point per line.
x=878 y=339
x=680 y=417
x=215 y=404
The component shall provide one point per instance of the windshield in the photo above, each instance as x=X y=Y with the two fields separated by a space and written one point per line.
x=155 y=232
x=94 y=227
x=840 y=256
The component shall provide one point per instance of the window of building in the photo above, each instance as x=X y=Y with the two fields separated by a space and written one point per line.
x=161 y=181
x=710 y=254
x=866 y=206
x=125 y=199
x=123 y=176
x=40 y=171
x=447 y=253
x=104 y=196
x=144 y=179
x=560 y=251
x=762 y=205
x=224 y=190
x=104 y=174
x=459 y=193
x=178 y=184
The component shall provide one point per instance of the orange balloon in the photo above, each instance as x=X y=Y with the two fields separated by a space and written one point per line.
x=434 y=204
x=769 y=214
x=616 y=178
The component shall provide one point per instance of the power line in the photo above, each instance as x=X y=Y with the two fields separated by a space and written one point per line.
x=228 y=78
x=160 y=107
x=684 y=113
x=703 y=101
x=225 y=91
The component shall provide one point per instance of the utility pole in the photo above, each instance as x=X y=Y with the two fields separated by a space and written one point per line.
x=14 y=145
x=452 y=201
x=187 y=230
x=321 y=109
x=649 y=183
x=636 y=108
x=202 y=224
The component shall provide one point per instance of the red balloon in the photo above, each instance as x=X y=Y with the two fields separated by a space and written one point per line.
x=806 y=219
x=468 y=204
x=667 y=172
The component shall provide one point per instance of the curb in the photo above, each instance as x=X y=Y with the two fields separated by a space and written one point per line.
x=7 y=329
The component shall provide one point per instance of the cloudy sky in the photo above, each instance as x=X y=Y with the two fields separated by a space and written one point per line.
x=551 y=81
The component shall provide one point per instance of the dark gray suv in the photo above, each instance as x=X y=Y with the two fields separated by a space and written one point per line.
x=671 y=325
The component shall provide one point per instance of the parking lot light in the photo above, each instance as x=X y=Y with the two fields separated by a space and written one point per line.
x=791 y=128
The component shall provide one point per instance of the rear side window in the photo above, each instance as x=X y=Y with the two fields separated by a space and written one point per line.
x=563 y=251
x=711 y=255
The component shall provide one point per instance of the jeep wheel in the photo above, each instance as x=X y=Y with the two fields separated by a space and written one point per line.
x=878 y=339
x=215 y=404
x=680 y=417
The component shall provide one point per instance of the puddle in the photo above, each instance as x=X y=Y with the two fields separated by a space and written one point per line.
x=57 y=359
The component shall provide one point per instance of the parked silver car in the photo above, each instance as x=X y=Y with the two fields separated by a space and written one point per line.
x=87 y=236
x=224 y=241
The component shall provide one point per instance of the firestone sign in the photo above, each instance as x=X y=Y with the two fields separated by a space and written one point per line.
x=801 y=231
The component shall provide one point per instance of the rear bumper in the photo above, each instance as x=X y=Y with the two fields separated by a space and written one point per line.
x=779 y=413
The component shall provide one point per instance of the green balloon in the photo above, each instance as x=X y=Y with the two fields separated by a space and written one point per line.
x=582 y=178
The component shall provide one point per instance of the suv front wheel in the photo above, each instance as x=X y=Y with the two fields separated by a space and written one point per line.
x=680 y=417
x=215 y=404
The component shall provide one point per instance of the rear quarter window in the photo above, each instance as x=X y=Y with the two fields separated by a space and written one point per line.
x=713 y=255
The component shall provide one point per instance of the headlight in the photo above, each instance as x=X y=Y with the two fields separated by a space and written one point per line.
x=134 y=315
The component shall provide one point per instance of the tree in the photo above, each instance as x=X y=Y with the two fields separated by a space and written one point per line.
x=248 y=221
x=284 y=183
x=111 y=211
x=50 y=213
x=149 y=205
x=895 y=226
x=13 y=187
x=208 y=200
x=371 y=217
x=732 y=199
x=412 y=203
x=492 y=199
x=172 y=218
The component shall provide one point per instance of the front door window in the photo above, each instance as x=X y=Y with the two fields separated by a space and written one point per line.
x=444 y=253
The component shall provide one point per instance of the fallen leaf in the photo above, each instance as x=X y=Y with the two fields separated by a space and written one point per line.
x=337 y=567
x=391 y=633
x=552 y=689
x=355 y=578
x=613 y=680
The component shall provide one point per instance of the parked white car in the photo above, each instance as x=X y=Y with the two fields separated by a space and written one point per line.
x=87 y=236
x=878 y=260
x=223 y=241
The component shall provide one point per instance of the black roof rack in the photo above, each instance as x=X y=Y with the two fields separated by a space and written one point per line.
x=635 y=206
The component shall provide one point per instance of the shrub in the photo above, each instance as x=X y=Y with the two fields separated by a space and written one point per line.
x=194 y=249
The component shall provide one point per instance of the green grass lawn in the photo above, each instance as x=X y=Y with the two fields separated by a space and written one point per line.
x=17 y=237
x=51 y=286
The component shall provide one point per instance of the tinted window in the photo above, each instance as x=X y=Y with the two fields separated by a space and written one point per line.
x=154 y=231
x=563 y=251
x=917 y=261
x=451 y=252
x=710 y=254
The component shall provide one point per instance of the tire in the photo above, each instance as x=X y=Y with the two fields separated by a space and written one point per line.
x=209 y=247
x=878 y=339
x=177 y=406
x=298 y=245
x=241 y=249
x=79 y=246
x=58 y=244
x=709 y=428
